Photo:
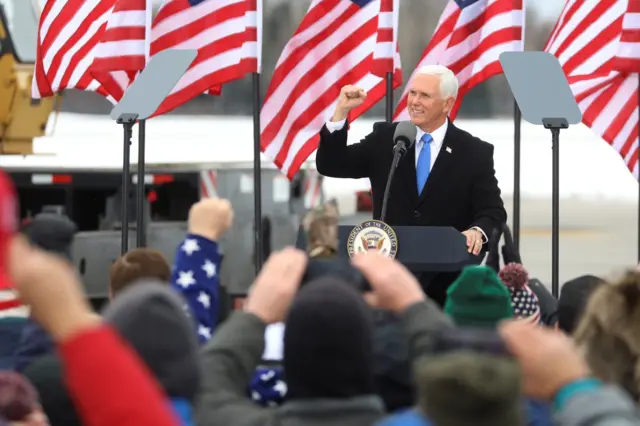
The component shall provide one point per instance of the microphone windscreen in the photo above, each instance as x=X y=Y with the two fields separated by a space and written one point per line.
x=405 y=131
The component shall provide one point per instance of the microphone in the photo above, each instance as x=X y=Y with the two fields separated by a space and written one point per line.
x=403 y=138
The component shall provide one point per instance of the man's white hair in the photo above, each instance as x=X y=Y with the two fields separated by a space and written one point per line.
x=448 y=80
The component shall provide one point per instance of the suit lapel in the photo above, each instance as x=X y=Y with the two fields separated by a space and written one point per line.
x=441 y=165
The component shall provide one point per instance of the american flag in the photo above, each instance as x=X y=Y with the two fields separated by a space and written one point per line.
x=126 y=33
x=226 y=34
x=339 y=42
x=597 y=44
x=469 y=39
x=68 y=34
x=101 y=45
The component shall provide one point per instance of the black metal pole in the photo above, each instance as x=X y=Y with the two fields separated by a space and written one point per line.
x=389 y=97
x=517 y=125
x=141 y=229
x=126 y=181
x=257 y=174
x=555 y=213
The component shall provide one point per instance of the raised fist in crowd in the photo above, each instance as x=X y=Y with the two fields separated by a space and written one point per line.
x=210 y=218
x=350 y=98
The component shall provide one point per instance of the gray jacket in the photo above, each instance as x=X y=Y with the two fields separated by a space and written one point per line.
x=607 y=406
x=231 y=356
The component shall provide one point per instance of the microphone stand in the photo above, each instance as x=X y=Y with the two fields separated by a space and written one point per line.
x=399 y=150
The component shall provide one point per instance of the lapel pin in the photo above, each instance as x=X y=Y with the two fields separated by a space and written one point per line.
x=448 y=150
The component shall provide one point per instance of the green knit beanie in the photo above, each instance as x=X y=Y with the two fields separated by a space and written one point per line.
x=478 y=298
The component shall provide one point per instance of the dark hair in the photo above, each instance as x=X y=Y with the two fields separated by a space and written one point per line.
x=138 y=264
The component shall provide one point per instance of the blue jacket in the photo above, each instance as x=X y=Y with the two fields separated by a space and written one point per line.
x=537 y=414
x=34 y=343
x=10 y=333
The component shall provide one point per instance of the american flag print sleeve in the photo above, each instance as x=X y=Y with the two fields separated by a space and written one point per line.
x=195 y=276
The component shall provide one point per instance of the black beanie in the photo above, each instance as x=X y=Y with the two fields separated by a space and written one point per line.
x=328 y=343
x=573 y=300
x=51 y=232
x=150 y=316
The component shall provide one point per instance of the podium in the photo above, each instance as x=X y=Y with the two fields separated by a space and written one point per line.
x=420 y=248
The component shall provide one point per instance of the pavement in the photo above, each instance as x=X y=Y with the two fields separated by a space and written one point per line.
x=598 y=237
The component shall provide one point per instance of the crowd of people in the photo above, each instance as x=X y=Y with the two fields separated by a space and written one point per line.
x=501 y=351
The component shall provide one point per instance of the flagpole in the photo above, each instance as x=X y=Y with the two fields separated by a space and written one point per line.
x=141 y=229
x=141 y=235
x=517 y=145
x=257 y=175
x=389 y=97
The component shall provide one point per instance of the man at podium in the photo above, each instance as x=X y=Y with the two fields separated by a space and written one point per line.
x=446 y=177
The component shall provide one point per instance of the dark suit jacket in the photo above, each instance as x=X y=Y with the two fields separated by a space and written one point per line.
x=462 y=190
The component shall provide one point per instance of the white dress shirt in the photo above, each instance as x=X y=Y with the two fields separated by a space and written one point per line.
x=436 y=144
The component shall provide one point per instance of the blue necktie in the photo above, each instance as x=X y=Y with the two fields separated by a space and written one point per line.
x=424 y=162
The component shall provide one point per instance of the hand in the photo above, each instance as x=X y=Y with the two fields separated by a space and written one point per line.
x=350 y=97
x=51 y=288
x=394 y=287
x=36 y=418
x=548 y=359
x=474 y=240
x=210 y=218
x=277 y=284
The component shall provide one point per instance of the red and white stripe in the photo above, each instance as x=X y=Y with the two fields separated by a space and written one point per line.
x=68 y=32
x=208 y=184
x=123 y=49
x=313 y=189
x=469 y=42
x=226 y=34
x=628 y=57
x=337 y=43
x=587 y=40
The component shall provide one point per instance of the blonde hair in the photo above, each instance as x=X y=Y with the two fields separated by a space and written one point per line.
x=608 y=333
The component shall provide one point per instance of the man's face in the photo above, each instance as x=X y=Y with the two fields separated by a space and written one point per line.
x=425 y=103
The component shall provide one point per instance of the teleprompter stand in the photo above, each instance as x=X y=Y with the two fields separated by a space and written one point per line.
x=544 y=96
x=139 y=102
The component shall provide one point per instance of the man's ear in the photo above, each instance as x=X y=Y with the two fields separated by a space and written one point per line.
x=448 y=104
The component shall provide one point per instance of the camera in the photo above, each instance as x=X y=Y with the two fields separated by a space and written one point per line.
x=337 y=267
x=467 y=339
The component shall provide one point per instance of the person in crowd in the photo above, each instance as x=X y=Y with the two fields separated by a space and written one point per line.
x=19 y=401
x=321 y=228
x=609 y=332
x=54 y=233
x=453 y=390
x=136 y=265
x=547 y=303
x=478 y=299
x=573 y=300
x=197 y=263
x=327 y=343
x=142 y=313
x=524 y=301
x=109 y=383
x=552 y=369
x=268 y=385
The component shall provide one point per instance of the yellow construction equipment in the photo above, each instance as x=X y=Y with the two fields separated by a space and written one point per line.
x=21 y=118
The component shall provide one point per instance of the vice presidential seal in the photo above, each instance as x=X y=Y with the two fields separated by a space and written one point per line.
x=373 y=235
